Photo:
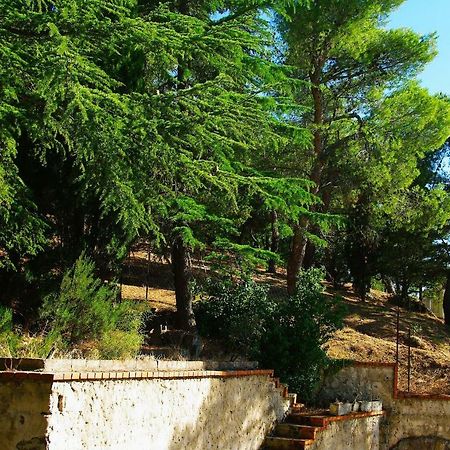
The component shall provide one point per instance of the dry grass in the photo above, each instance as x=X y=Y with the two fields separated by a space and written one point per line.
x=369 y=333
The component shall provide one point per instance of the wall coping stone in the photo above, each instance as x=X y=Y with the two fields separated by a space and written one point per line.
x=85 y=365
x=126 y=375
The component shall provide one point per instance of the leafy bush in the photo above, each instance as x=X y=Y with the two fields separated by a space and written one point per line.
x=237 y=313
x=16 y=344
x=6 y=320
x=286 y=334
x=85 y=310
x=119 y=344
x=303 y=323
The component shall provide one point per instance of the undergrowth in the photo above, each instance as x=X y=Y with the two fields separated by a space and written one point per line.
x=287 y=333
x=82 y=318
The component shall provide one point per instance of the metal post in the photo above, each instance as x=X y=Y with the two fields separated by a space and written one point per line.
x=409 y=359
x=148 y=274
x=397 y=355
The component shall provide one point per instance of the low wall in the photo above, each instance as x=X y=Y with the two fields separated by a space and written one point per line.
x=357 y=434
x=137 y=410
x=411 y=421
x=418 y=417
x=361 y=381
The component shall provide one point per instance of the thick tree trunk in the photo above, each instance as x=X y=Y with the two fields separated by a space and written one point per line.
x=180 y=267
x=446 y=303
x=299 y=241
x=275 y=241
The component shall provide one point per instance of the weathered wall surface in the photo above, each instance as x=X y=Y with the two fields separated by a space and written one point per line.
x=423 y=443
x=410 y=420
x=24 y=408
x=205 y=413
x=358 y=434
x=168 y=410
x=361 y=382
x=418 y=417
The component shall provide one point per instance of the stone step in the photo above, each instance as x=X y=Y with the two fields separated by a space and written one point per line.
x=297 y=408
x=305 y=419
x=289 y=430
x=281 y=443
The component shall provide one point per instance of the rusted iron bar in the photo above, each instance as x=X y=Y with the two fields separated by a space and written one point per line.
x=147 y=274
x=409 y=359
x=397 y=355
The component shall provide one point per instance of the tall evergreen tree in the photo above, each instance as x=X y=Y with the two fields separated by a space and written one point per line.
x=348 y=61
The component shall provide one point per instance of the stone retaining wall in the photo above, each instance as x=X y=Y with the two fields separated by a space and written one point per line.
x=411 y=421
x=171 y=409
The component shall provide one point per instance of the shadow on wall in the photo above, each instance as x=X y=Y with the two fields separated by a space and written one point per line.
x=422 y=443
x=228 y=419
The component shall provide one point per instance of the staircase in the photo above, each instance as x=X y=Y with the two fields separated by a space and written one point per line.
x=301 y=429
x=297 y=432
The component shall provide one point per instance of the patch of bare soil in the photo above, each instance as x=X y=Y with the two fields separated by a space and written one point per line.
x=370 y=335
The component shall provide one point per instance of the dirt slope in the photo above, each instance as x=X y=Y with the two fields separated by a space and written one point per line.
x=369 y=333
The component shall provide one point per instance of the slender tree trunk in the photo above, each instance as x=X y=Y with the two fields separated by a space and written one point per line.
x=275 y=241
x=297 y=254
x=180 y=267
x=310 y=254
x=446 y=302
x=388 y=285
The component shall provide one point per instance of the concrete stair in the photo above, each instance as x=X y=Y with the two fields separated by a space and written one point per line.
x=300 y=428
x=297 y=432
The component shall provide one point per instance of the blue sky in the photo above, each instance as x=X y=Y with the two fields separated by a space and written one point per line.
x=426 y=16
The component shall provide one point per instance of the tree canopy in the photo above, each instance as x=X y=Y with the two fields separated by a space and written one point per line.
x=263 y=132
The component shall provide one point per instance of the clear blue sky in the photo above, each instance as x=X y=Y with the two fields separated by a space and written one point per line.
x=426 y=16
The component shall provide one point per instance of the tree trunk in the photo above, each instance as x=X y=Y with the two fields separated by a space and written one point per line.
x=388 y=284
x=446 y=302
x=296 y=255
x=300 y=240
x=275 y=241
x=310 y=254
x=180 y=267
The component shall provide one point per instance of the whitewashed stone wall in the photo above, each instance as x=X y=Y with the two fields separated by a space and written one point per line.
x=410 y=422
x=175 y=412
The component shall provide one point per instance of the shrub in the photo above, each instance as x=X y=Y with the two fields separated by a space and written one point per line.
x=119 y=344
x=236 y=313
x=300 y=327
x=16 y=344
x=6 y=319
x=85 y=310
x=286 y=334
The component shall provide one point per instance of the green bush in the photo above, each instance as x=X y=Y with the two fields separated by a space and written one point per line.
x=301 y=326
x=14 y=343
x=6 y=320
x=286 y=334
x=85 y=310
x=236 y=313
x=119 y=344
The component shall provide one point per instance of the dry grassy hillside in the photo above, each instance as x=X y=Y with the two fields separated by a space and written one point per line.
x=369 y=333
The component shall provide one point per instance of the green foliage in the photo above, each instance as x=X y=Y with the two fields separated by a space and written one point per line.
x=117 y=344
x=6 y=320
x=85 y=310
x=286 y=333
x=236 y=313
x=302 y=325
